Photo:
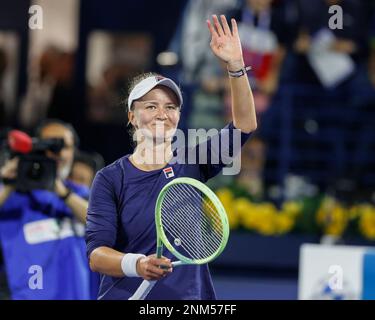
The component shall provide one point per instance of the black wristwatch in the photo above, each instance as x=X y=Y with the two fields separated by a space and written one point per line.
x=66 y=196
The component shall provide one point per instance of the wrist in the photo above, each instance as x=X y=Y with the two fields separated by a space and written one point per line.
x=129 y=264
x=235 y=65
x=60 y=189
x=64 y=196
x=239 y=73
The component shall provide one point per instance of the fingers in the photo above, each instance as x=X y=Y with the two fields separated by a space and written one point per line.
x=156 y=271
x=155 y=268
x=234 y=27
x=221 y=29
x=217 y=24
x=225 y=25
x=165 y=262
x=212 y=29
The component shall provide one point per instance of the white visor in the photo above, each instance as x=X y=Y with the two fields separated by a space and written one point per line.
x=148 y=84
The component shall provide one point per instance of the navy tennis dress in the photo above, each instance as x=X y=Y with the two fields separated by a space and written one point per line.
x=121 y=216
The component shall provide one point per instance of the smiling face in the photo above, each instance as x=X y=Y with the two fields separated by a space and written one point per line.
x=156 y=114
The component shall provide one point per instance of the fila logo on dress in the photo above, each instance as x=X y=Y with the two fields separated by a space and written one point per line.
x=168 y=172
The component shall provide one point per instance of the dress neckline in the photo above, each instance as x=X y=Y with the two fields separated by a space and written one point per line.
x=144 y=171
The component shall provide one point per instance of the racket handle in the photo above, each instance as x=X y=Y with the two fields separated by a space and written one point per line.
x=143 y=290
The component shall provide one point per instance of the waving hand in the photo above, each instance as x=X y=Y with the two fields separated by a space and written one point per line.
x=225 y=43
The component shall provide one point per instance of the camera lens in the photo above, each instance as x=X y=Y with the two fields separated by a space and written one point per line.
x=36 y=171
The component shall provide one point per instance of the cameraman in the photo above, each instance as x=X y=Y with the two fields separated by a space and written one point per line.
x=53 y=129
x=45 y=229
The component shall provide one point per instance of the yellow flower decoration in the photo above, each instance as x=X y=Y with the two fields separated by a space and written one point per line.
x=264 y=218
x=284 y=223
x=367 y=221
x=292 y=208
x=332 y=217
x=245 y=212
x=226 y=197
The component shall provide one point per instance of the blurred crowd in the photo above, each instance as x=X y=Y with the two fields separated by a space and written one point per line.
x=293 y=53
x=312 y=73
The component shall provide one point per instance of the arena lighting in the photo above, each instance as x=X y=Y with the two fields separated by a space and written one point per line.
x=167 y=58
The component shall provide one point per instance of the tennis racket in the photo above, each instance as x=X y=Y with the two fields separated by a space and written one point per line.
x=191 y=223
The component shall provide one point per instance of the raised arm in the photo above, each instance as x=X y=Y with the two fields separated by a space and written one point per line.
x=226 y=45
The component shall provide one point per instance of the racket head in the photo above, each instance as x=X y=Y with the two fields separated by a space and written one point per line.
x=202 y=230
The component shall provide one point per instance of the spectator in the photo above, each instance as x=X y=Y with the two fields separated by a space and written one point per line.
x=258 y=19
x=41 y=231
x=265 y=28
x=350 y=41
x=200 y=73
x=190 y=42
x=50 y=93
x=85 y=166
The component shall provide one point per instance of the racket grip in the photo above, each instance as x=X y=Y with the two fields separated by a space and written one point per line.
x=143 y=290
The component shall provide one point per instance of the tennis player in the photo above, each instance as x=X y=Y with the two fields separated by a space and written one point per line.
x=120 y=235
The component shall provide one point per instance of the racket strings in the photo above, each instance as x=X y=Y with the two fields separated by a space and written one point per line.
x=201 y=203
x=191 y=240
x=193 y=220
x=192 y=251
x=214 y=212
x=211 y=215
x=193 y=244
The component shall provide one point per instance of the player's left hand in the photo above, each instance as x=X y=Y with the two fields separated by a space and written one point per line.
x=225 y=43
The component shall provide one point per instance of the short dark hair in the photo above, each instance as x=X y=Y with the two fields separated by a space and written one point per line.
x=92 y=159
x=48 y=122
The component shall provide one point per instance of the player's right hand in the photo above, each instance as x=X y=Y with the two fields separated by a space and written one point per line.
x=149 y=268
